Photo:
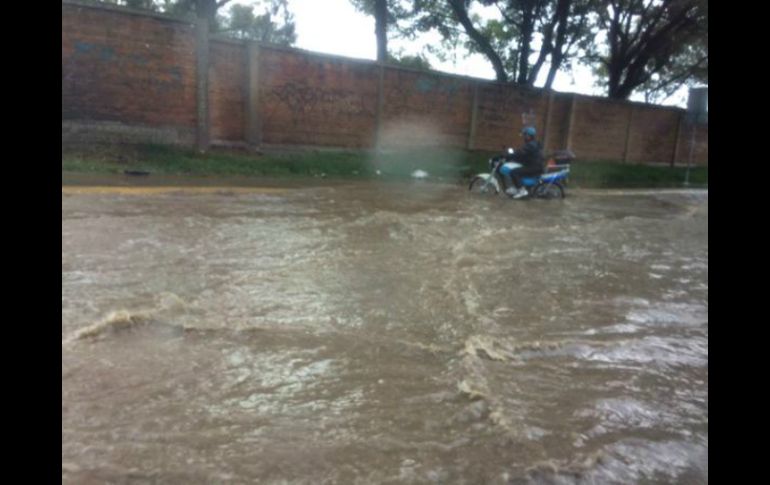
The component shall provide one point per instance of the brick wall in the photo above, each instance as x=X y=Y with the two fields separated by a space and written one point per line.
x=653 y=134
x=132 y=69
x=131 y=76
x=314 y=100
x=599 y=128
x=423 y=109
x=499 y=117
x=556 y=122
x=227 y=100
x=699 y=142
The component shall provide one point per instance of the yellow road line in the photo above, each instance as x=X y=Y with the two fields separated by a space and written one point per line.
x=106 y=189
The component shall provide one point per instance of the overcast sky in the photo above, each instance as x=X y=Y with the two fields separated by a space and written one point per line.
x=335 y=27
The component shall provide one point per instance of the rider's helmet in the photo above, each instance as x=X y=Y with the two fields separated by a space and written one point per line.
x=529 y=131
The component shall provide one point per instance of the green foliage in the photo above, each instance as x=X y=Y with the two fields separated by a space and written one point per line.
x=411 y=61
x=651 y=47
x=275 y=23
x=398 y=10
x=609 y=174
x=243 y=23
x=526 y=37
x=447 y=164
x=387 y=16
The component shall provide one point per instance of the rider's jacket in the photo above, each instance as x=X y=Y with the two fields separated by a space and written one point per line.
x=530 y=156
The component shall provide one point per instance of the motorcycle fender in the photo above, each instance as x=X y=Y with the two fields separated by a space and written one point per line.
x=494 y=181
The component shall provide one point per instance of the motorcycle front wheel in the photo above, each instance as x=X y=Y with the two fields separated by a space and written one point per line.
x=549 y=191
x=480 y=186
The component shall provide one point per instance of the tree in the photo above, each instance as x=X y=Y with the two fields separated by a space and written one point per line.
x=137 y=4
x=522 y=16
x=561 y=36
x=381 y=28
x=275 y=25
x=653 y=46
x=387 y=14
x=507 y=42
x=689 y=68
x=481 y=40
x=201 y=8
x=411 y=61
x=242 y=23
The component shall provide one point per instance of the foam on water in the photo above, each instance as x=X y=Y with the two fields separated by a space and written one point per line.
x=375 y=332
x=117 y=321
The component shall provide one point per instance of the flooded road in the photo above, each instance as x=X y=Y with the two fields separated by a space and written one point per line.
x=383 y=333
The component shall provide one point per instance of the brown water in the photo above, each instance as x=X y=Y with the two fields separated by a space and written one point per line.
x=383 y=333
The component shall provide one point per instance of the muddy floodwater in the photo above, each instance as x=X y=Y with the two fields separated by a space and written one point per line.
x=362 y=332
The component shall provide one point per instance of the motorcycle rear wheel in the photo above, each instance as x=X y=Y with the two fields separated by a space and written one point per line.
x=549 y=191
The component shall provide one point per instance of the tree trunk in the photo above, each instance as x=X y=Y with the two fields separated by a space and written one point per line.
x=652 y=41
x=207 y=9
x=527 y=29
x=556 y=58
x=458 y=7
x=381 y=28
x=558 y=52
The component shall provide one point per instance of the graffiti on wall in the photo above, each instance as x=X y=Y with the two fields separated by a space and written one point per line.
x=303 y=100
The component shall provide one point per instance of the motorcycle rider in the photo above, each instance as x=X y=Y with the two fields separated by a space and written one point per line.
x=530 y=158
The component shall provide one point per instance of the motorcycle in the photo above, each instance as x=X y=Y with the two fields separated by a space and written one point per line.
x=549 y=185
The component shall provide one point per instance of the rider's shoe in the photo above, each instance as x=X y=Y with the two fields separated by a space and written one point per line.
x=512 y=191
x=521 y=193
